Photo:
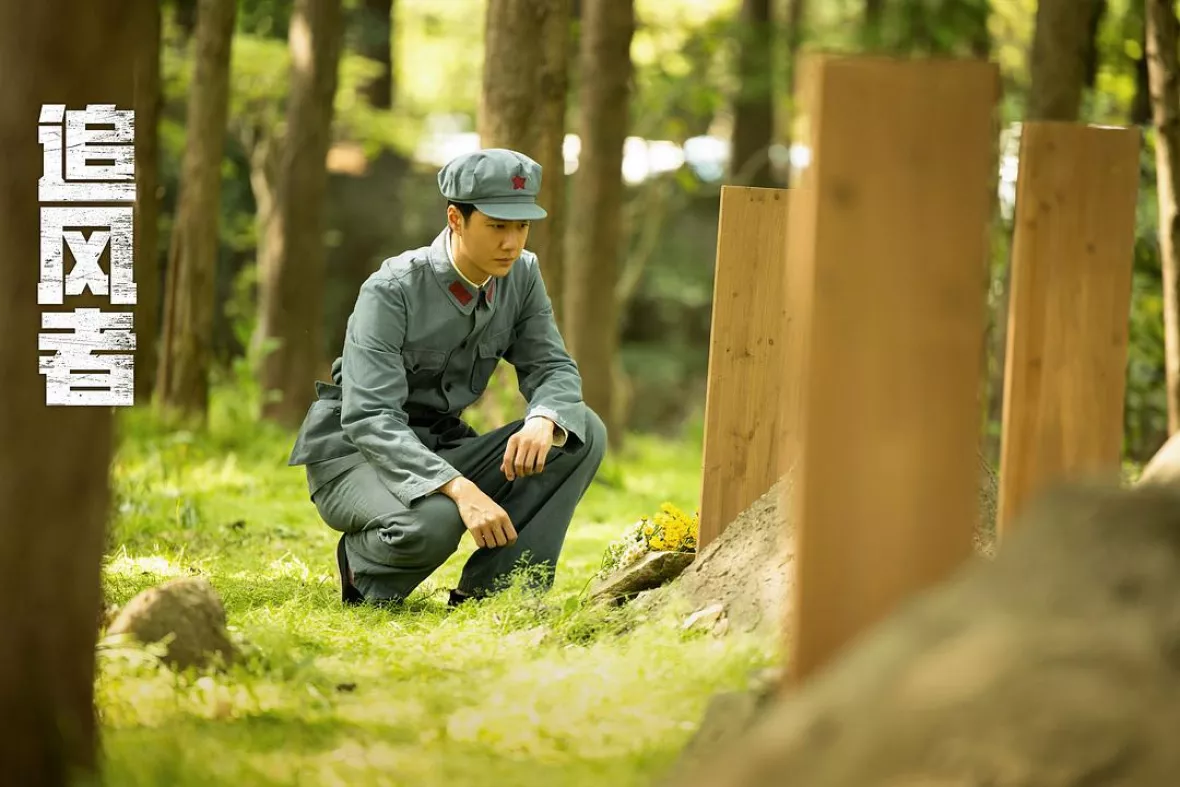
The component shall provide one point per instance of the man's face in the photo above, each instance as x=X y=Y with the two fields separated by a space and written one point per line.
x=488 y=245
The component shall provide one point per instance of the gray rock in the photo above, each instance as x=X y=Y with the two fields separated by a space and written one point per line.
x=190 y=611
x=650 y=571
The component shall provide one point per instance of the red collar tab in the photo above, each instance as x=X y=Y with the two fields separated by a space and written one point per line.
x=460 y=292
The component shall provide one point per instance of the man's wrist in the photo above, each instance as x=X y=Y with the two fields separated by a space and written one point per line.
x=557 y=432
x=455 y=488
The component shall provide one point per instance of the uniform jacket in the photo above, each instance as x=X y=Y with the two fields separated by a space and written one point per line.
x=420 y=347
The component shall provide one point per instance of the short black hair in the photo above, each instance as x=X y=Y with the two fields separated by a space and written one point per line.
x=465 y=209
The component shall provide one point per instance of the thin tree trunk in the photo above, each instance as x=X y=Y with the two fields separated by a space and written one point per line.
x=292 y=272
x=796 y=14
x=1140 y=114
x=1092 y=56
x=523 y=107
x=263 y=175
x=54 y=461
x=147 y=209
x=182 y=383
x=376 y=44
x=981 y=38
x=186 y=19
x=753 y=111
x=1164 y=73
x=595 y=241
x=1061 y=50
x=874 y=17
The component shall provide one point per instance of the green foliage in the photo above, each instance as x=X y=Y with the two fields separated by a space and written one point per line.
x=930 y=27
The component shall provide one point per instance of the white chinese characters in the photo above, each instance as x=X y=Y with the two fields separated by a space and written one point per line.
x=89 y=157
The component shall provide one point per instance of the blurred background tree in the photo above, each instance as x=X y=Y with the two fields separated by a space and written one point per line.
x=703 y=99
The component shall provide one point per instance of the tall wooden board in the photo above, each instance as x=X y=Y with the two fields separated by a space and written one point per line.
x=891 y=244
x=1073 y=252
x=741 y=445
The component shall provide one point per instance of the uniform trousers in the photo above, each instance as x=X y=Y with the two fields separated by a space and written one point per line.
x=392 y=549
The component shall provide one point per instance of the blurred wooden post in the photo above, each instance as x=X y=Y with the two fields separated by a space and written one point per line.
x=889 y=236
x=1072 y=256
x=741 y=449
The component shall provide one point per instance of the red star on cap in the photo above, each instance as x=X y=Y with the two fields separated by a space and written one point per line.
x=517 y=182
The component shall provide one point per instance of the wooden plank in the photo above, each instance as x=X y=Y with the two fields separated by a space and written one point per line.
x=897 y=201
x=1072 y=259
x=741 y=456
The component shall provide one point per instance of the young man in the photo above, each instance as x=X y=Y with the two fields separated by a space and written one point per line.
x=389 y=462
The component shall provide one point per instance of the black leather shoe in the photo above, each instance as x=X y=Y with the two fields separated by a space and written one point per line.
x=349 y=595
x=458 y=597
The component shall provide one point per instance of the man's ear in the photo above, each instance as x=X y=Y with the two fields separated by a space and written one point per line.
x=454 y=218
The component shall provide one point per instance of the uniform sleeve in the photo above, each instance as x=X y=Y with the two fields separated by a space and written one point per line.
x=548 y=377
x=374 y=395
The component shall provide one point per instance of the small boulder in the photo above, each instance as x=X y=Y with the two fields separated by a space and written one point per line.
x=705 y=618
x=190 y=611
x=650 y=571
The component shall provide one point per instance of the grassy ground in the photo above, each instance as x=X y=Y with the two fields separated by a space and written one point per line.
x=506 y=692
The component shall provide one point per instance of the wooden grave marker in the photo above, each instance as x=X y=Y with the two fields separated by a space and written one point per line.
x=1069 y=309
x=887 y=289
x=741 y=456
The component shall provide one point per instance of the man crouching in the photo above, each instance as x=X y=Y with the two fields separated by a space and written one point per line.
x=391 y=465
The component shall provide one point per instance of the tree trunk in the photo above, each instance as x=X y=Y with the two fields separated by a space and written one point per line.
x=1061 y=51
x=186 y=19
x=981 y=37
x=753 y=111
x=1164 y=72
x=54 y=461
x=1093 y=57
x=148 y=98
x=523 y=108
x=182 y=384
x=874 y=17
x=292 y=274
x=1062 y=44
x=376 y=44
x=1140 y=114
x=796 y=13
x=595 y=240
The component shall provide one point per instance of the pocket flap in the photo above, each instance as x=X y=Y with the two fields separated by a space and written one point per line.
x=423 y=360
x=328 y=391
x=494 y=346
x=321 y=436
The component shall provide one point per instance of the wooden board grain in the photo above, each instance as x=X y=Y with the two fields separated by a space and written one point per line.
x=741 y=458
x=1072 y=259
x=892 y=247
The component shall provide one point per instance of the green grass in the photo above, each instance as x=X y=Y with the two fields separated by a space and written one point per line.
x=511 y=691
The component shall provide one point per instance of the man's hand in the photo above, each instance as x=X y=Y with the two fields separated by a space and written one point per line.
x=488 y=524
x=528 y=448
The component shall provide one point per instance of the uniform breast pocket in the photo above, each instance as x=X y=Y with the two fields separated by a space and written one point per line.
x=488 y=353
x=423 y=366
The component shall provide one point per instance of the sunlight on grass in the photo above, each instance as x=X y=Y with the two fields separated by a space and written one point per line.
x=514 y=690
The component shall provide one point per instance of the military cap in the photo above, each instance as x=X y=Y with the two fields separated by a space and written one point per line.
x=501 y=184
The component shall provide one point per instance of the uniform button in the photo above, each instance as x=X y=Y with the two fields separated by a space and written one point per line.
x=463 y=346
x=447 y=387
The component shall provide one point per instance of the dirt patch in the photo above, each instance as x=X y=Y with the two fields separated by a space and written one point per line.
x=1055 y=664
x=186 y=612
x=749 y=567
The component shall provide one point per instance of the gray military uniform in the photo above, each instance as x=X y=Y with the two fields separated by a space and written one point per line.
x=386 y=433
